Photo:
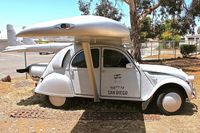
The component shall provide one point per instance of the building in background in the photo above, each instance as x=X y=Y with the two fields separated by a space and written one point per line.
x=190 y=39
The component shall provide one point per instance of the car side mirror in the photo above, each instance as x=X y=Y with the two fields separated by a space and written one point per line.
x=129 y=65
x=57 y=61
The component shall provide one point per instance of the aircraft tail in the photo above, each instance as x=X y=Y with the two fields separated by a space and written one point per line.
x=12 y=39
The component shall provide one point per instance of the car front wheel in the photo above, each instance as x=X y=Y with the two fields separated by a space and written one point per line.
x=57 y=101
x=170 y=101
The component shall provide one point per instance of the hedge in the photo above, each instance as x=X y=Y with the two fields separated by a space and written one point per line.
x=187 y=49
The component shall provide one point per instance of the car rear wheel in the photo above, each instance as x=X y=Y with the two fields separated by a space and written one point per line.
x=170 y=101
x=57 y=101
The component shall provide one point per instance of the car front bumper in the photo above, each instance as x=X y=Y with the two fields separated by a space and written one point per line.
x=194 y=93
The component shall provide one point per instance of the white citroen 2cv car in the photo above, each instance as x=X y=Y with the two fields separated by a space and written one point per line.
x=106 y=66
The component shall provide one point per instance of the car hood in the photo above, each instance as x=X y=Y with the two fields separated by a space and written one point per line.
x=164 y=70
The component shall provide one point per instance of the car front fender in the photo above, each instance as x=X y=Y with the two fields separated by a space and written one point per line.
x=55 y=84
x=183 y=84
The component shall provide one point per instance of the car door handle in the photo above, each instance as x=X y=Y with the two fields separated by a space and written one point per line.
x=72 y=73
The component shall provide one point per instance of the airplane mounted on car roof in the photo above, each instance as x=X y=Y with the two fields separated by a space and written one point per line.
x=98 y=66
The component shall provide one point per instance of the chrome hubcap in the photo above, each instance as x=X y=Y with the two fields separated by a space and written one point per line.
x=171 y=102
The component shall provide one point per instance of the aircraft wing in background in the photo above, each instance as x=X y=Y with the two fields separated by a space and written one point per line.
x=46 y=48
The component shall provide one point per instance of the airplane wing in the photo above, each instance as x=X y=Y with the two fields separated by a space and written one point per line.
x=51 y=47
x=83 y=28
x=18 y=49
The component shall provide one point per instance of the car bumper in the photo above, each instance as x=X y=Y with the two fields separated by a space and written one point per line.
x=194 y=94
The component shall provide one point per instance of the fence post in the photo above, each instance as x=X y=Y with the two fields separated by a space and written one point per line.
x=25 y=63
x=159 y=50
x=174 y=49
x=196 y=49
x=151 y=49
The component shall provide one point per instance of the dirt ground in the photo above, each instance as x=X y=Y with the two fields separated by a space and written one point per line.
x=21 y=111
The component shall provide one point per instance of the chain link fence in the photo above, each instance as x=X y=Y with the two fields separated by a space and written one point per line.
x=164 y=49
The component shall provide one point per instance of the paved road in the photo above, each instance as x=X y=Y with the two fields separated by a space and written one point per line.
x=9 y=62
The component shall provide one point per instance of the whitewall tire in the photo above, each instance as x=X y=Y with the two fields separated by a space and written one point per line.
x=170 y=101
x=57 y=101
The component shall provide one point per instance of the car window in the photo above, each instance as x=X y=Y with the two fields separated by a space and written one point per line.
x=113 y=58
x=79 y=60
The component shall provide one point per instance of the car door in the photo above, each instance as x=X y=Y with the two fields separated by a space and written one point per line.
x=117 y=80
x=79 y=74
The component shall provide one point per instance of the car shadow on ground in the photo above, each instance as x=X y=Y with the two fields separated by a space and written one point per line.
x=108 y=122
x=188 y=109
x=104 y=116
x=105 y=105
x=107 y=115
x=83 y=104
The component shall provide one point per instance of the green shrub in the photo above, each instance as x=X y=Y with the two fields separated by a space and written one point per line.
x=187 y=49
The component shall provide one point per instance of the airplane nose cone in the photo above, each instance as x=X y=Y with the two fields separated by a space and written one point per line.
x=46 y=30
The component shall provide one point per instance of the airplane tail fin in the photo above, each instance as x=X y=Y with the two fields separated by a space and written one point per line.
x=12 y=39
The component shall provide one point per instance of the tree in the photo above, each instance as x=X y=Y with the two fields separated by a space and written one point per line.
x=158 y=11
x=148 y=30
x=84 y=7
x=162 y=9
x=170 y=32
x=103 y=8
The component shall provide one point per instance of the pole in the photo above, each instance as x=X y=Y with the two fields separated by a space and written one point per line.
x=90 y=69
x=25 y=63
x=159 y=51
x=151 y=49
x=196 y=48
x=174 y=47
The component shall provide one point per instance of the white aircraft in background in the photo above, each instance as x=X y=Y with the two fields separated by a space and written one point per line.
x=29 y=45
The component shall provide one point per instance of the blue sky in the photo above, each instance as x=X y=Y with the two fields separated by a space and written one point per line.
x=27 y=12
